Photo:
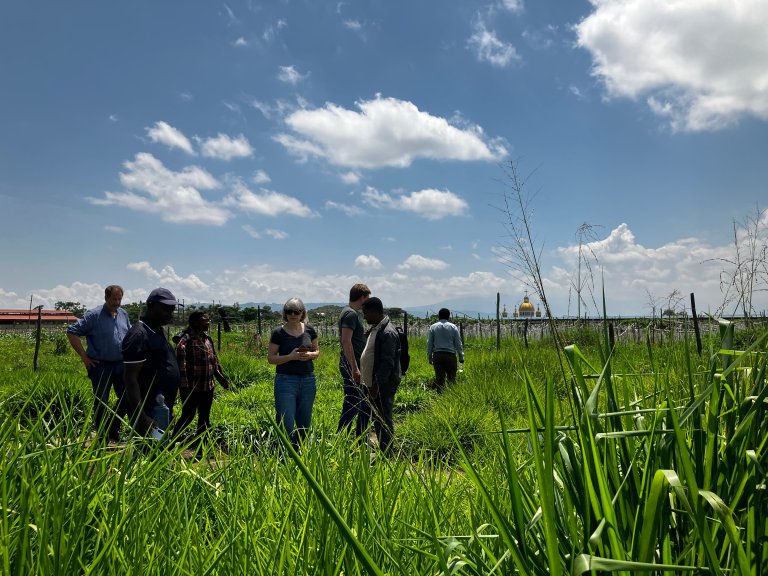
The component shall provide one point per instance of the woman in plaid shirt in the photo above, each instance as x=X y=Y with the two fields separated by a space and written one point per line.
x=198 y=366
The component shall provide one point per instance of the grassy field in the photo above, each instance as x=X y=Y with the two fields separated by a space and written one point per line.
x=649 y=459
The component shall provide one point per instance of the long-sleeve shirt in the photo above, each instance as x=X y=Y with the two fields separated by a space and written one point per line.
x=444 y=337
x=103 y=333
x=197 y=361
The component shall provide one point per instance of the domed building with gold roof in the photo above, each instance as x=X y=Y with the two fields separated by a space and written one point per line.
x=526 y=309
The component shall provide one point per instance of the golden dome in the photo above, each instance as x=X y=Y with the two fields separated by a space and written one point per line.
x=526 y=307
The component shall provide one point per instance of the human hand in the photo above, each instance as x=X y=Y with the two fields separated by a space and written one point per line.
x=356 y=376
x=89 y=362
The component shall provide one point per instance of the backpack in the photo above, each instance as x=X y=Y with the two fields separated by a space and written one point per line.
x=405 y=357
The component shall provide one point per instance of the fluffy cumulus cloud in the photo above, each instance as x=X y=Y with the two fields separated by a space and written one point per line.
x=175 y=196
x=164 y=133
x=368 y=262
x=430 y=204
x=225 y=147
x=383 y=132
x=701 y=64
x=417 y=262
x=265 y=202
x=169 y=278
x=632 y=271
x=489 y=48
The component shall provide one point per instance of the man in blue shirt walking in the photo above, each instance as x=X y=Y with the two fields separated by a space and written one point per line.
x=443 y=345
x=104 y=328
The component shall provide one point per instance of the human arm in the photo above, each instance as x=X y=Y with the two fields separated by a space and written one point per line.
x=181 y=360
x=387 y=361
x=143 y=423
x=274 y=356
x=430 y=344
x=77 y=345
x=349 y=353
x=458 y=345
x=76 y=331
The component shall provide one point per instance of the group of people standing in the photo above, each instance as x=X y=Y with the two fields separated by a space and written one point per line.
x=147 y=373
x=369 y=364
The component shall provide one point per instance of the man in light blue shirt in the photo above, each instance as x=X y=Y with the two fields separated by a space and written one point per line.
x=104 y=328
x=443 y=345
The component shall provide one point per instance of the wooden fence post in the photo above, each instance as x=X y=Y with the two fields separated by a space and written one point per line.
x=696 y=324
x=498 y=322
x=37 y=335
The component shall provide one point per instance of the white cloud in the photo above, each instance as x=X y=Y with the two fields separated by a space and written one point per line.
x=417 y=262
x=225 y=147
x=276 y=234
x=167 y=277
x=701 y=64
x=384 y=132
x=350 y=177
x=114 y=118
x=512 y=5
x=164 y=133
x=261 y=177
x=368 y=262
x=271 y=31
x=290 y=75
x=430 y=204
x=175 y=196
x=353 y=25
x=631 y=270
x=241 y=42
x=266 y=202
x=488 y=48
x=271 y=232
x=115 y=229
x=348 y=209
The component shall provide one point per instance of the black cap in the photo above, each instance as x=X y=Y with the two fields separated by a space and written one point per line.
x=164 y=296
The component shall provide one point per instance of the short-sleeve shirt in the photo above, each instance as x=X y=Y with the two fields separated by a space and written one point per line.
x=159 y=371
x=287 y=343
x=351 y=319
x=103 y=333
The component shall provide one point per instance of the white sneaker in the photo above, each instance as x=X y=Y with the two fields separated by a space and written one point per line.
x=156 y=434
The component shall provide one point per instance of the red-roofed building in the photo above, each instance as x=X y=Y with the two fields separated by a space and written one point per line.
x=27 y=316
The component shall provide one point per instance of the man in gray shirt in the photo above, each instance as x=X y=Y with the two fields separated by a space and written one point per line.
x=443 y=344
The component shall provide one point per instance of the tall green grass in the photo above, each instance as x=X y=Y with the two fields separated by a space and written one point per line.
x=646 y=460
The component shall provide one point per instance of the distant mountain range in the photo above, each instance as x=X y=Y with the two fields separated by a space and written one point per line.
x=465 y=307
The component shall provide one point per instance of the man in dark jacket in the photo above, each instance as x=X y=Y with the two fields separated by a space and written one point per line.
x=381 y=369
x=151 y=371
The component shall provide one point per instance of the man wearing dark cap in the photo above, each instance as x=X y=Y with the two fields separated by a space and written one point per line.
x=151 y=372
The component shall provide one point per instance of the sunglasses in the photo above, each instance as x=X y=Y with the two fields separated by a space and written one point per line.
x=299 y=312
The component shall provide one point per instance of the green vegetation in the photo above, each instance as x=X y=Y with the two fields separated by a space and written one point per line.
x=649 y=459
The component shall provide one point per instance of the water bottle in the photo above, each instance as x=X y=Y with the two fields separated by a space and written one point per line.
x=161 y=414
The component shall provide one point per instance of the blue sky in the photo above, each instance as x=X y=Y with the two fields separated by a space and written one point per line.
x=253 y=151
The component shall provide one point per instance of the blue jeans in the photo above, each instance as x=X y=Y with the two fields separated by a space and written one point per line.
x=104 y=377
x=294 y=398
x=356 y=404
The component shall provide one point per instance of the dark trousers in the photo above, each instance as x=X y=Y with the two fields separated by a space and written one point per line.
x=106 y=376
x=356 y=403
x=383 y=406
x=194 y=401
x=445 y=365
